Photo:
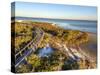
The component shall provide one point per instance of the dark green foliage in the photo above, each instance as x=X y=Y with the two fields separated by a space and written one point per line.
x=70 y=64
x=23 y=68
x=51 y=63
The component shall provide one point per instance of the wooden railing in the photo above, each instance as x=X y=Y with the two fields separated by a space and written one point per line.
x=29 y=48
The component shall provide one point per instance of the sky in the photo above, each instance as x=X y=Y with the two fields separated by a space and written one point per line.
x=58 y=11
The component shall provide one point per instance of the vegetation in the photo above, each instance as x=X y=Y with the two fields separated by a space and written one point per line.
x=33 y=60
x=23 y=68
x=22 y=34
x=23 y=29
x=45 y=41
x=69 y=65
x=74 y=37
x=51 y=63
x=21 y=41
x=58 y=60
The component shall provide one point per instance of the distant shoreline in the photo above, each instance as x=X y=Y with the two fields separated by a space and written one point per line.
x=89 y=30
x=12 y=18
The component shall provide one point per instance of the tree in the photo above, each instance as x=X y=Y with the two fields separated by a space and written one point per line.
x=34 y=60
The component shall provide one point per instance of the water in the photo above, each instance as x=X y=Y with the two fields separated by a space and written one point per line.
x=45 y=51
x=89 y=26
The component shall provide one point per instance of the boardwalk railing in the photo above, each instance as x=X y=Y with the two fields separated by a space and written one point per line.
x=29 y=48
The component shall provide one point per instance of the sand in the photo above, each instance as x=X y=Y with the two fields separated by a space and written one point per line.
x=90 y=48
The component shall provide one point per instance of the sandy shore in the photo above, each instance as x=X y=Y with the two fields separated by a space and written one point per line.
x=90 y=48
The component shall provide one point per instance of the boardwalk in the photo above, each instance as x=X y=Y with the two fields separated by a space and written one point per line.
x=29 y=48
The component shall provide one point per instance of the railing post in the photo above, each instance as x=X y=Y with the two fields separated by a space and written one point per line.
x=26 y=58
x=20 y=53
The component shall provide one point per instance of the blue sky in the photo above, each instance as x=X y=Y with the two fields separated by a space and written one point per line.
x=59 y=11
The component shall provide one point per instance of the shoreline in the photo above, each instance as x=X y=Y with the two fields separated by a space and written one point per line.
x=90 y=48
x=52 y=23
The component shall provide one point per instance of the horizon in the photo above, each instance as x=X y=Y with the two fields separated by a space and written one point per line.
x=54 y=11
x=51 y=18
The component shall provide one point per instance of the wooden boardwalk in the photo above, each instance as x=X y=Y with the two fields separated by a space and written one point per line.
x=29 y=48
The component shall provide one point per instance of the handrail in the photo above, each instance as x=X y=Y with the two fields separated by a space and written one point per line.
x=23 y=57
x=26 y=45
x=23 y=48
